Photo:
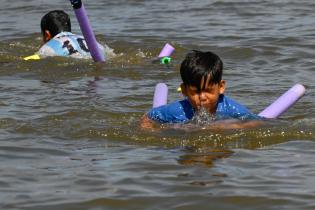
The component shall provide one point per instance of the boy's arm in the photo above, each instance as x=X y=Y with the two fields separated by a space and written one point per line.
x=235 y=124
x=146 y=123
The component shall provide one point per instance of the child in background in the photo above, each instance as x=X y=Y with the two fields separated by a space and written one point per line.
x=201 y=73
x=58 y=39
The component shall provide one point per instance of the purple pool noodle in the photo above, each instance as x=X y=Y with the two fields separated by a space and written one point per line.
x=160 y=95
x=166 y=51
x=284 y=102
x=87 y=31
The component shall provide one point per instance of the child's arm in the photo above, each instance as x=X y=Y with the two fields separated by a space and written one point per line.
x=235 y=124
x=146 y=123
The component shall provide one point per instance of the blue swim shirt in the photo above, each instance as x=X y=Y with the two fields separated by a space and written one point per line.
x=182 y=111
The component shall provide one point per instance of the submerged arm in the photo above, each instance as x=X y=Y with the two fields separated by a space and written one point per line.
x=235 y=124
x=147 y=124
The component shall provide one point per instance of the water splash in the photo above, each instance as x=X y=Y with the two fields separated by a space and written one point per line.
x=202 y=117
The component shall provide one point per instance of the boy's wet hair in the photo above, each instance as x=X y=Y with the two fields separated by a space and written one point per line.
x=55 y=22
x=198 y=65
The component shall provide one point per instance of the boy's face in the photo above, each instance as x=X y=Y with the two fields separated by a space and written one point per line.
x=205 y=96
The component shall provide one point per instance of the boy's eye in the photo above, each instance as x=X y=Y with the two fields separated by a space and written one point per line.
x=195 y=90
x=209 y=90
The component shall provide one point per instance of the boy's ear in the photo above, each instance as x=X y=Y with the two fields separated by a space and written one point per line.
x=183 y=89
x=47 y=36
x=222 y=86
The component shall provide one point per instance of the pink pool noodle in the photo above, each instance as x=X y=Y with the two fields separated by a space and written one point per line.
x=166 y=51
x=160 y=95
x=284 y=102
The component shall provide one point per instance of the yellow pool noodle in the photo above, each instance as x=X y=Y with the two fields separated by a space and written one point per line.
x=32 y=57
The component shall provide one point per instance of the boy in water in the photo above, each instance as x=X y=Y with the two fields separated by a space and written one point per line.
x=58 y=39
x=201 y=73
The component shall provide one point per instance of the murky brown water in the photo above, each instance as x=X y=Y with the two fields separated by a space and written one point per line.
x=69 y=135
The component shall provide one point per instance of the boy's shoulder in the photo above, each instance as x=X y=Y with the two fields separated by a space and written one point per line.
x=228 y=107
x=228 y=100
x=68 y=44
x=178 y=111
x=65 y=44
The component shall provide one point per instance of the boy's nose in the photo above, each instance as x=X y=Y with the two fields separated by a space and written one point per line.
x=202 y=96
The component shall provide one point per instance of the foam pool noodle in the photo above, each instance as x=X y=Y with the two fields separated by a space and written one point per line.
x=165 y=53
x=284 y=102
x=160 y=95
x=32 y=57
x=277 y=108
x=87 y=31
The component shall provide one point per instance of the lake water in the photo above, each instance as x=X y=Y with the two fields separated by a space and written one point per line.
x=69 y=129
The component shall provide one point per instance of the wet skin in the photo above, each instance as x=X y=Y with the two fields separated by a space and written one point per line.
x=206 y=96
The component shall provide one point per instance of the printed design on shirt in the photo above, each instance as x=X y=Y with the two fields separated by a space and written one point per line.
x=70 y=48
x=83 y=44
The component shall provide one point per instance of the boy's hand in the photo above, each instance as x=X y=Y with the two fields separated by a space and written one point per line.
x=147 y=124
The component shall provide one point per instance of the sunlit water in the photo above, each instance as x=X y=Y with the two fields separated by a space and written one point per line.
x=70 y=136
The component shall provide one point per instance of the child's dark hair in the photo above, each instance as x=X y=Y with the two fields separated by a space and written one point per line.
x=199 y=64
x=55 y=22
